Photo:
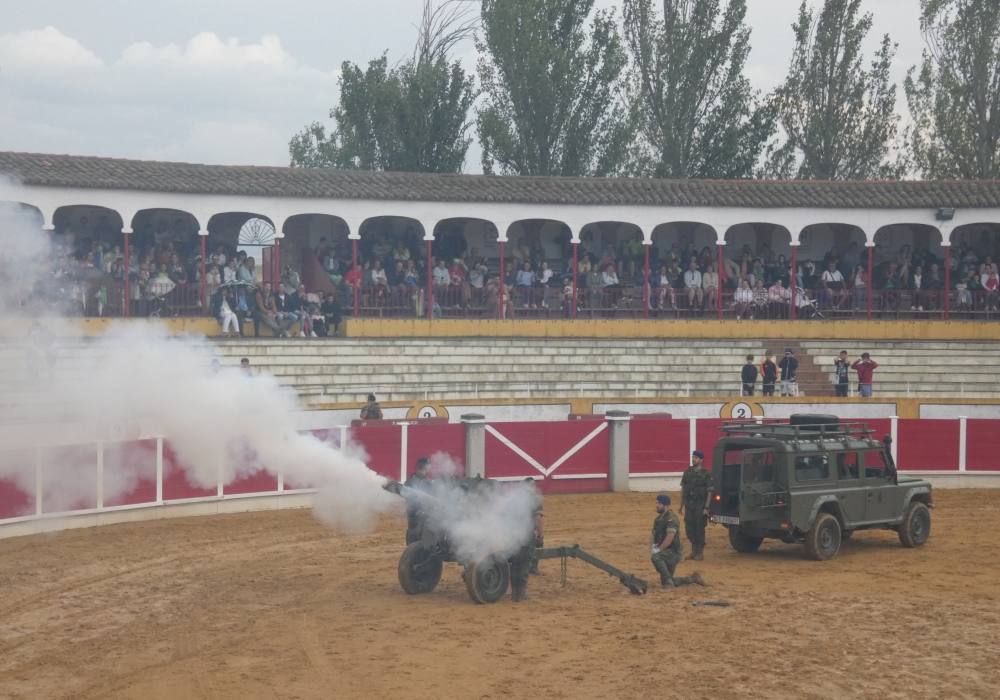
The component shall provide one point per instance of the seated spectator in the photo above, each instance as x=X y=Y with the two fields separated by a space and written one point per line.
x=441 y=276
x=298 y=304
x=412 y=277
x=229 y=272
x=609 y=278
x=266 y=312
x=860 y=278
x=525 y=276
x=743 y=300
x=477 y=275
x=245 y=272
x=934 y=286
x=545 y=275
x=663 y=283
x=332 y=316
x=285 y=316
x=692 y=282
x=991 y=288
x=710 y=283
x=459 y=286
x=760 y=299
x=224 y=311
x=779 y=297
x=833 y=286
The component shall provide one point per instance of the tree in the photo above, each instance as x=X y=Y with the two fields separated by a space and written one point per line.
x=955 y=97
x=552 y=89
x=413 y=117
x=838 y=118
x=701 y=117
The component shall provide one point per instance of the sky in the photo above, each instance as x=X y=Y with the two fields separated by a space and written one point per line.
x=230 y=81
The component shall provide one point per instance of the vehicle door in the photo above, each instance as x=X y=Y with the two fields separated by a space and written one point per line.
x=883 y=498
x=763 y=496
x=851 y=492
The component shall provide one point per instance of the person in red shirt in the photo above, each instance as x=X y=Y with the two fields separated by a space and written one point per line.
x=865 y=367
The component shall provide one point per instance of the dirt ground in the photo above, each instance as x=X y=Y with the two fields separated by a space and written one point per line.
x=274 y=605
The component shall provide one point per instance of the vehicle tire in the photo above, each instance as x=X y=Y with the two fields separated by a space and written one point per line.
x=742 y=542
x=419 y=569
x=916 y=525
x=845 y=535
x=823 y=539
x=487 y=581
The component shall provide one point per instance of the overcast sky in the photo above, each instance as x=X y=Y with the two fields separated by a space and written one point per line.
x=229 y=81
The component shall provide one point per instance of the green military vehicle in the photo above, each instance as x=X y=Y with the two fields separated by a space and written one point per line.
x=813 y=480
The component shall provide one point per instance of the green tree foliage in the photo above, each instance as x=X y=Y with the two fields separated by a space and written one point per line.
x=701 y=118
x=413 y=117
x=838 y=117
x=954 y=98
x=552 y=89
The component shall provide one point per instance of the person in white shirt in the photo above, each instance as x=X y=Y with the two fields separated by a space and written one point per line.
x=692 y=282
x=546 y=274
x=442 y=277
x=379 y=278
x=743 y=300
x=834 y=290
x=609 y=277
x=710 y=283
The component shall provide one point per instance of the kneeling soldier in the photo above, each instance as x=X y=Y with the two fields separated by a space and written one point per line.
x=666 y=546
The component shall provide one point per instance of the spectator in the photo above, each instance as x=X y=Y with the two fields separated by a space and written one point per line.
x=245 y=366
x=842 y=368
x=290 y=280
x=743 y=300
x=779 y=298
x=245 y=272
x=298 y=304
x=477 y=275
x=609 y=278
x=992 y=287
x=692 y=282
x=441 y=276
x=865 y=368
x=331 y=315
x=768 y=375
x=371 y=410
x=916 y=286
x=760 y=299
x=860 y=286
x=285 y=316
x=229 y=272
x=710 y=283
x=835 y=291
x=789 y=367
x=459 y=285
x=545 y=275
x=664 y=283
x=266 y=312
x=225 y=313
x=748 y=375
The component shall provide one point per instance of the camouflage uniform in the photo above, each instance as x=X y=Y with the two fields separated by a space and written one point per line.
x=665 y=561
x=414 y=521
x=695 y=485
x=520 y=567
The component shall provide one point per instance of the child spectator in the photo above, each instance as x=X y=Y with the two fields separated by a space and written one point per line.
x=748 y=375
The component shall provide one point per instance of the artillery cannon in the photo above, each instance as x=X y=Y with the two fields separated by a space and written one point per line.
x=486 y=580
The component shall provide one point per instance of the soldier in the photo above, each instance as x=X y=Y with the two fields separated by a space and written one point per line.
x=371 y=411
x=539 y=533
x=696 y=490
x=419 y=481
x=665 y=546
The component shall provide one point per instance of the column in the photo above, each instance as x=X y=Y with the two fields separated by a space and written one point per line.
x=576 y=272
x=618 y=459
x=202 y=282
x=276 y=262
x=475 y=444
x=870 y=292
x=646 y=245
x=127 y=262
x=947 y=278
x=792 y=277
x=502 y=302
x=430 y=278
x=355 y=278
x=718 y=271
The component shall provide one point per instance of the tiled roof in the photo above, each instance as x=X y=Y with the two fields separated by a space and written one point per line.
x=113 y=173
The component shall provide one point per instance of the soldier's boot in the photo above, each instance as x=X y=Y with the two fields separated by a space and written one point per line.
x=694 y=579
x=666 y=581
x=534 y=568
x=698 y=553
x=518 y=593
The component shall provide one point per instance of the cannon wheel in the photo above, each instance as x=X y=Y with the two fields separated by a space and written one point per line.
x=419 y=569
x=487 y=581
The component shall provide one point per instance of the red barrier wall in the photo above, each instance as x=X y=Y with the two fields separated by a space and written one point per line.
x=382 y=445
x=658 y=446
x=547 y=443
x=175 y=481
x=927 y=444
x=129 y=472
x=982 y=451
x=430 y=439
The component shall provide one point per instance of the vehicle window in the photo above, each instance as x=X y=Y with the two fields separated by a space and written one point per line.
x=847 y=465
x=812 y=468
x=875 y=465
x=759 y=468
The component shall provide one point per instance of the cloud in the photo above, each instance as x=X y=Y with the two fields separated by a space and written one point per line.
x=211 y=98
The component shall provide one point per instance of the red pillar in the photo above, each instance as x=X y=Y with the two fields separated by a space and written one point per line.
x=127 y=287
x=947 y=281
x=356 y=287
x=202 y=282
x=503 y=281
x=870 y=292
x=430 y=282
x=791 y=280
x=645 y=280
x=718 y=272
x=576 y=271
x=276 y=263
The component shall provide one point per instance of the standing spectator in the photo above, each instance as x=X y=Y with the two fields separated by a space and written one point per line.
x=842 y=368
x=371 y=410
x=692 y=282
x=769 y=375
x=789 y=367
x=865 y=368
x=860 y=286
x=748 y=375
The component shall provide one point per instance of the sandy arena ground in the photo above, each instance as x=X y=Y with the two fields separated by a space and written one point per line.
x=274 y=605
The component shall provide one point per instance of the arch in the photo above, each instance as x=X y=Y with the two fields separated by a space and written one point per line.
x=470 y=237
x=318 y=246
x=679 y=241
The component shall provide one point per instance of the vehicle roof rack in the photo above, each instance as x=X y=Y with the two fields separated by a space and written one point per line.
x=780 y=429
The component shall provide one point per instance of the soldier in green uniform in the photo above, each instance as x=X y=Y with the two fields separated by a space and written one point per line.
x=665 y=546
x=419 y=480
x=696 y=490
x=539 y=523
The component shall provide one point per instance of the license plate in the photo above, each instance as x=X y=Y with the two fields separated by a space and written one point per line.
x=726 y=519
